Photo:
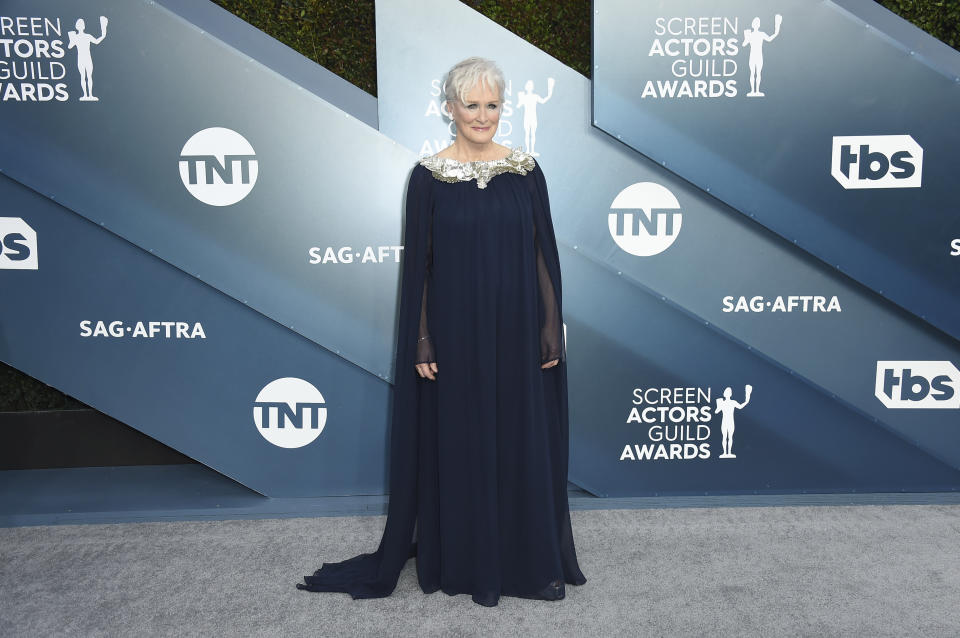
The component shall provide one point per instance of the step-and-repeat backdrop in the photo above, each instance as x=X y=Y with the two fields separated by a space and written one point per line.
x=753 y=200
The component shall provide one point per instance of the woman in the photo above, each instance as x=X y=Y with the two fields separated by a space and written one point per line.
x=478 y=453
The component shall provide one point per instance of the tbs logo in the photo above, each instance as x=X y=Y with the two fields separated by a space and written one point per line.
x=918 y=384
x=18 y=245
x=877 y=161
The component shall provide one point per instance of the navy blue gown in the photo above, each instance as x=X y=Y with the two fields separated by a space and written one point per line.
x=478 y=457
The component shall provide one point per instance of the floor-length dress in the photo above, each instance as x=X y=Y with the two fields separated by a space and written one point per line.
x=478 y=457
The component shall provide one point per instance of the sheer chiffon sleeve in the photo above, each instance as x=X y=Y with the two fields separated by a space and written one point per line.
x=552 y=341
x=425 y=353
x=551 y=329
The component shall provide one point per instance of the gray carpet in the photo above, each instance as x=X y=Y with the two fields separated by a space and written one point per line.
x=863 y=570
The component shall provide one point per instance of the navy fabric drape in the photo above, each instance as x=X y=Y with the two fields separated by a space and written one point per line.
x=479 y=456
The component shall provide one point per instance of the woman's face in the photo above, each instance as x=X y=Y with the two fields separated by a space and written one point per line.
x=478 y=117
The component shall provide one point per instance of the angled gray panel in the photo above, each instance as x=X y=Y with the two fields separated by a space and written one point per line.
x=320 y=178
x=846 y=147
x=195 y=392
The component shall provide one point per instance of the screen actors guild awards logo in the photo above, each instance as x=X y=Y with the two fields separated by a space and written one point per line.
x=702 y=57
x=680 y=423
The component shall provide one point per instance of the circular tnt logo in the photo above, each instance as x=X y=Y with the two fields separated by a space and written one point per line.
x=218 y=166
x=645 y=219
x=289 y=412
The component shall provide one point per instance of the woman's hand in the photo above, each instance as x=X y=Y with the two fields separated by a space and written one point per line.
x=550 y=364
x=428 y=370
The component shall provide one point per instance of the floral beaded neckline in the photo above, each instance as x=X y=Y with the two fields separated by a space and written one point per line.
x=447 y=169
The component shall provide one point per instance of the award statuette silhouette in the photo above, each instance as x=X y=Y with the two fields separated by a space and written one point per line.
x=755 y=38
x=528 y=101
x=82 y=42
x=727 y=406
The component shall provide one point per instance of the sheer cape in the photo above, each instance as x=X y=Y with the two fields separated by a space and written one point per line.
x=374 y=575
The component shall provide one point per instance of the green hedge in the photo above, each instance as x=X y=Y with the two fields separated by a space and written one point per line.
x=337 y=34
x=939 y=18
x=341 y=36
x=19 y=393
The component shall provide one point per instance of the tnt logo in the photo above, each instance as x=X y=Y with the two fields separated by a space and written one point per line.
x=918 y=384
x=646 y=219
x=18 y=245
x=289 y=412
x=877 y=161
x=218 y=166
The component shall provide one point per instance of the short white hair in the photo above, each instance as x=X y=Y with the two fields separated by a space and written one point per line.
x=465 y=74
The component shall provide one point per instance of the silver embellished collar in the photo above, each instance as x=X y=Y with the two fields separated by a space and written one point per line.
x=447 y=169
